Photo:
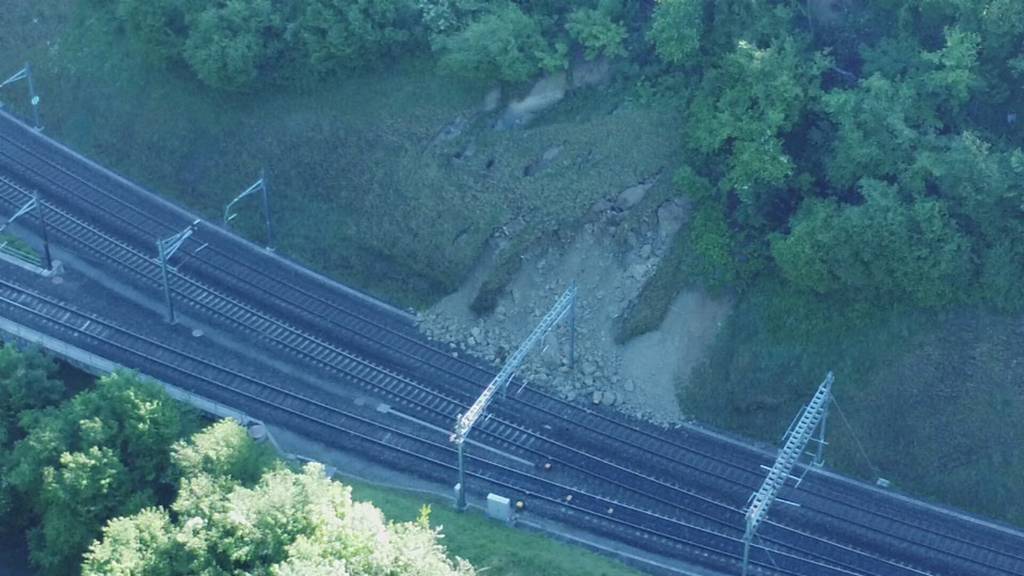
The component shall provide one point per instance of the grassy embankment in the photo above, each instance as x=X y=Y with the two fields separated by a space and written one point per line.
x=934 y=399
x=491 y=548
x=364 y=192
x=363 y=186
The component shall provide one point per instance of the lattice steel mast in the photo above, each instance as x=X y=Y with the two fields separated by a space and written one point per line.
x=566 y=304
x=813 y=414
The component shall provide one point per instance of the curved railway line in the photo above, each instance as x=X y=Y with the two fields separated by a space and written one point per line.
x=652 y=468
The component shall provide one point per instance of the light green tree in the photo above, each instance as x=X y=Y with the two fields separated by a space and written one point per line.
x=290 y=523
x=222 y=450
x=676 y=29
x=503 y=43
x=597 y=32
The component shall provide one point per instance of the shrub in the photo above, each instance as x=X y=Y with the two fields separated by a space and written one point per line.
x=502 y=44
x=676 y=29
x=344 y=33
x=597 y=32
x=230 y=43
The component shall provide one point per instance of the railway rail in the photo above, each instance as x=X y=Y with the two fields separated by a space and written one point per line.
x=657 y=462
x=205 y=376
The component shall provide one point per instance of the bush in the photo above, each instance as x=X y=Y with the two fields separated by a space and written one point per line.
x=157 y=25
x=230 y=43
x=345 y=34
x=676 y=29
x=502 y=44
x=597 y=32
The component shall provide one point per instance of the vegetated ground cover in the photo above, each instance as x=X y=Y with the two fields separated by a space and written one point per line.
x=391 y=181
x=489 y=546
x=929 y=401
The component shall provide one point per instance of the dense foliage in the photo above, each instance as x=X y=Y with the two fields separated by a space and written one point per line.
x=854 y=149
x=236 y=45
x=95 y=456
x=114 y=467
x=804 y=119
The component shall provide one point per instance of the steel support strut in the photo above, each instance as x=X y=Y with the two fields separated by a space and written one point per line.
x=44 y=232
x=165 y=248
x=460 y=500
x=464 y=422
x=261 y=187
x=266 y=209
x=812 y=415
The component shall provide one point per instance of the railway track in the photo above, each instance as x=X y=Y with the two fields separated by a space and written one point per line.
x=204 y=376
x=695 y=512
x=932 y=548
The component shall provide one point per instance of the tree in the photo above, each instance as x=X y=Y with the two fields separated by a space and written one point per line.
x=879 y=125
x=79 y=494
x=139 y=545
x=887 y=247
x=26 y=383
x=100 y=454
x=504 y=44
x=222 y=450
x=339 y=34
x=232 y=41
x=676 y=29
x=156 y=25
x=597 y=32
x=288 y=524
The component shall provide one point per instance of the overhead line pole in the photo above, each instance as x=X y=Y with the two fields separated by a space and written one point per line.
x=465 y=422
x=798 y=436
x=261 y=187
x=34 y=204
x=45 y=233
x=166 y=248
x=26 y=74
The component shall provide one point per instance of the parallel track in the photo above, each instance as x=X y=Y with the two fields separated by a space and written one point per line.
x=204 y=376
x=941 y=545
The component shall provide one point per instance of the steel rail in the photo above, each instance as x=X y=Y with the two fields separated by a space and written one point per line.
x=455 y=406
x=384 y=343
x=94 y=322
x=834 y=501
x=472 y=366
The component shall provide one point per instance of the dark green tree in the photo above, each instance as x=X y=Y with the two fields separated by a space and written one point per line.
x=338 y=34
x=156 y=25
x=232 y=43
x=503 y=43
x=26 y=383
x=103 y=453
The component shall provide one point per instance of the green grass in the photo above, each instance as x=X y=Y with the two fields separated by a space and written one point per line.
x=18 y=248
x=361 y=187
x=493 y=549
x=933 y=398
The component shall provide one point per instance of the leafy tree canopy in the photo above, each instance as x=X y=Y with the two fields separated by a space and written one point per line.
x=290 y=523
